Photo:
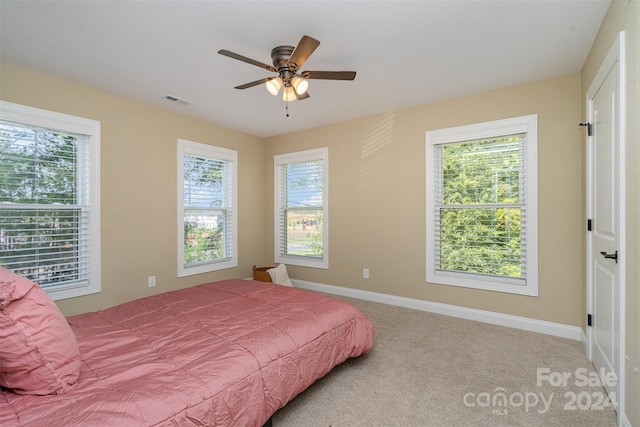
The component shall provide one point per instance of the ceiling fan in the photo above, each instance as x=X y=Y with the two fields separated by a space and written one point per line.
x=287 y=62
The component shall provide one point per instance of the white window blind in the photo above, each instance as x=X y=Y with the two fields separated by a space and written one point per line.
x=208 y=214
x=301 y=214
x=480 y=210
x=48 y=224
x=482 y=206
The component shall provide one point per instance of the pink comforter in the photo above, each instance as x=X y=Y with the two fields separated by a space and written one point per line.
x=227 y=353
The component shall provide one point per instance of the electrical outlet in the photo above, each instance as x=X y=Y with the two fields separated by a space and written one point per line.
x=365 y=273
x=151 y=281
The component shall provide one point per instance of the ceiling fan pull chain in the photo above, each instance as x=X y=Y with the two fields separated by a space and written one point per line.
x=287 y=108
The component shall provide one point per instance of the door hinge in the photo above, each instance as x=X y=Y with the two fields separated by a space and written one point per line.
x=589 y=320
x=589 y=225
x=589 y=128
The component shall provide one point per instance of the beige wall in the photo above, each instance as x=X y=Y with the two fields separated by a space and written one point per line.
x=377 y=199
x=138 y=185
x=625 y=15
x=377 y=189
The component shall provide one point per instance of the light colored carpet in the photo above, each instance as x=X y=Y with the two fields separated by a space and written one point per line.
x=423 y=365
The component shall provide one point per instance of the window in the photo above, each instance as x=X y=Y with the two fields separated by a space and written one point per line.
x=482 y=206
x=207 y=213
x=50 y=199
x=301 y=208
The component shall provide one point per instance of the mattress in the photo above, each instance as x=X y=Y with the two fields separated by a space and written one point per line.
x=226 y=353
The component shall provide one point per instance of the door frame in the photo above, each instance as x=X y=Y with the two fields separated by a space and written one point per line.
x=616 y=55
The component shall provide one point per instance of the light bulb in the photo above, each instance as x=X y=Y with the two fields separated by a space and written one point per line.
x=300 y=85
x=274 y=85
x=289 y=94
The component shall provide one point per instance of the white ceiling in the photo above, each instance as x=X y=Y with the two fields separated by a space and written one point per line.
x=406 y=53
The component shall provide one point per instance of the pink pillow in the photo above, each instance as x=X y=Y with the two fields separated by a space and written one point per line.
x=38 y=351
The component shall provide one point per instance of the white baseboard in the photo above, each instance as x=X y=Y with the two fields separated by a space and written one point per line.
x=624 y=421
x=583 y=340
x=517 y=322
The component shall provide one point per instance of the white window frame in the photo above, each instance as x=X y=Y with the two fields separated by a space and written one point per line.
x=32 y=116
x=279 y=227
x=524 y=124
x=213 y=152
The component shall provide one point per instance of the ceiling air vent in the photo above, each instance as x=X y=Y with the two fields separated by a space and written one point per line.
x=177 y=100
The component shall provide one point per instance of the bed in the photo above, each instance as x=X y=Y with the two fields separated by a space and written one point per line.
x=226 y=353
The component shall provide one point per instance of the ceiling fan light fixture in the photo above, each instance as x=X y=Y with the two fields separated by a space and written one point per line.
x=274 y=85
x=287 y=64
x=300 y=85
x=289 y=94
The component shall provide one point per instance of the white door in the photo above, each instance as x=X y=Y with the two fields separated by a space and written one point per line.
x=605 y=238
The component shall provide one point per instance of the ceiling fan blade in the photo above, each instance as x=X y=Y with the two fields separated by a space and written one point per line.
x=247 y=60
x=302 y=52
x=303 y=96
x=329 y=75
x=252 y=84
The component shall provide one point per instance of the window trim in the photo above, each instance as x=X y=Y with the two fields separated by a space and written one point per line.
x=523 y=124
x=53 y=120
x=185 y=146
x=298 y=157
